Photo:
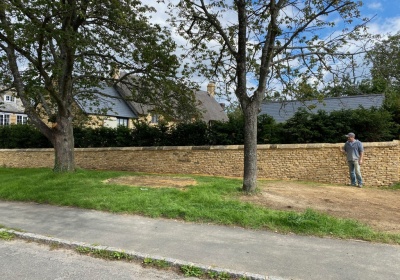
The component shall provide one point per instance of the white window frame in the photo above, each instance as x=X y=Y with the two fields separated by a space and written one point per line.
x=9 y=98
x=24 y=119
x=4 y=119
x=122 y=122
x=154 y=118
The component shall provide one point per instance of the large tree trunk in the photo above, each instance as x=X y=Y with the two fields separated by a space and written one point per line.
x=250 y=147
x=63 y=142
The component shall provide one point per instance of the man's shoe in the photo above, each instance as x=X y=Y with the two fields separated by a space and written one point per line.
x=360 y=186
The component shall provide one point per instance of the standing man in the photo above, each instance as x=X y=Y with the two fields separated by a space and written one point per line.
x=354 y=151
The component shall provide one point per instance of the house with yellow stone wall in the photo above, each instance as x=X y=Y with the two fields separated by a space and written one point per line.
x=108 y=106
x=11 y=110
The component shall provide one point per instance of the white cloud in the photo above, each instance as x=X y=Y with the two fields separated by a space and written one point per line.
x=386 y=26
x=375 y=6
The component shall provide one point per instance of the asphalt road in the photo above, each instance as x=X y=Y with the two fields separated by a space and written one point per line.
x=20 y=260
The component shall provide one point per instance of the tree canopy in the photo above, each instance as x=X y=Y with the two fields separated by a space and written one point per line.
x=258 y=48
x=385 y=72
x=52 y=52
x=385 y=59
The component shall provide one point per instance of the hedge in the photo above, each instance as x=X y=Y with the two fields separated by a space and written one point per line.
x=369 y=125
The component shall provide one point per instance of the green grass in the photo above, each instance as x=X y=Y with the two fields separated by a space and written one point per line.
x=212 y=200
x=393 y=187
x=6 y=235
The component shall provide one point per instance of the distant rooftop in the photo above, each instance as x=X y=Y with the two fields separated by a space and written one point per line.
x=108 y=102
x=211 y=110
x=14 y=106
x=282 y=111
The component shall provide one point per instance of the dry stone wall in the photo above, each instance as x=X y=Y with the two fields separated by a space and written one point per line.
x=311 y=162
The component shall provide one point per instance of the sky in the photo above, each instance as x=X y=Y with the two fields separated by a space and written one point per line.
x=385 y=16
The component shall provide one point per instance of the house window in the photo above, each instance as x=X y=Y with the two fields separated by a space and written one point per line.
x=122 y=122
x=22 y=119
x=9 y=98
x=4 y=119
x=154 y=118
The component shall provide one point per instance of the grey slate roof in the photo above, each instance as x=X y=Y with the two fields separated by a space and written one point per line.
x=282 y=111
x=138 y=108
x=11 y=107
x=209 y=107
x=108 y=102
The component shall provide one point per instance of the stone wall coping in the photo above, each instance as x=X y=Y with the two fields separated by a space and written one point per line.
x=393 y=143
x=28 y=150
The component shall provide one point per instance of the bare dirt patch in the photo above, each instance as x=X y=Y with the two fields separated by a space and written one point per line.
x=153 y=181
x=376 y=207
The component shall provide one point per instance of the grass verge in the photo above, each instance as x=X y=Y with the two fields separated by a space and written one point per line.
x=212 y=200
x=6 y=236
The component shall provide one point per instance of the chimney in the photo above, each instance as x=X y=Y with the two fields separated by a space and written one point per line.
x=211 y=89
x=115 y=73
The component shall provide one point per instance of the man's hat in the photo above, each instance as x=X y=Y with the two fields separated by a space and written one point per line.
x=350 y=134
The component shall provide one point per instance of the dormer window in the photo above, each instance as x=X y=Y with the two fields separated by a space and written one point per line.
x=9 y=98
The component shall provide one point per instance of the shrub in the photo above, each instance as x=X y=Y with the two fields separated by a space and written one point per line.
x=189 y=134
x=22 y=136
x=369 y=125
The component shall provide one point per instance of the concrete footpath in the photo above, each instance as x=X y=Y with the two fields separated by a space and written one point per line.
x=260 y=253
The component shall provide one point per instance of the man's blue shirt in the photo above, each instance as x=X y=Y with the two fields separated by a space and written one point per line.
x=353 y=150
